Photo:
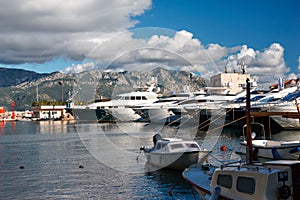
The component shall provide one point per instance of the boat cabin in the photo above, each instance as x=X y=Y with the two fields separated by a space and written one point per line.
x=129 y=99
x=259 y=182
x=257 y=131
x=176 y=145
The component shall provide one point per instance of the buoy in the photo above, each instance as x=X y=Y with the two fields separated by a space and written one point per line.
x=21 y=167
x=81 y=166
x=223 y=148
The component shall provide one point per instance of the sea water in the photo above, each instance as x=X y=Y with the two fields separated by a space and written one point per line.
x=69 y=160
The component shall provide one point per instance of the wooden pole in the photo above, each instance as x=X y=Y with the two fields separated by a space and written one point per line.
x=298 y=110
x=249 y=152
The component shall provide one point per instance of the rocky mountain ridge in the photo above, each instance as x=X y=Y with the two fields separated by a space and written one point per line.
x=26 y=87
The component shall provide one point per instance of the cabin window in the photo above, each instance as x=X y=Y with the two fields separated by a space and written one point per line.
x=192 y=145
x=138 y=97
x=245 y=185
x=144 y=98
x=160 y=145
x=126 y=98
x=225 y=180
x=132 y=98
x=176 y=146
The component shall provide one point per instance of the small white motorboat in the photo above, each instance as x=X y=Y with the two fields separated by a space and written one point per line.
x=270 y=180
x=174 y=153
x=269 y=149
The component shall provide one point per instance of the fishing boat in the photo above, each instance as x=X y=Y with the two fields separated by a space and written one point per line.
x=174 y=153
x=277 y=179
x=269 y=149
x=270 y=180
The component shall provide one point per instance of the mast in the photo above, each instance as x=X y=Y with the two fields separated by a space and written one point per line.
x=37 y=93
x=249 y=152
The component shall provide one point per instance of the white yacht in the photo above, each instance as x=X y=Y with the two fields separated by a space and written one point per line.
x=287 y=104
x=165 y=109
x=283 y=99
x=122 y=106
x=118 y=108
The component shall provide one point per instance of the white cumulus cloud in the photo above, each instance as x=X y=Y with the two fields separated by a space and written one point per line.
x=180 y=50
x=97 y=31
x=41 y=30
x=76 y=68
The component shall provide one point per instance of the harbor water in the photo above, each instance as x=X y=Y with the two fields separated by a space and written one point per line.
x=68 y=160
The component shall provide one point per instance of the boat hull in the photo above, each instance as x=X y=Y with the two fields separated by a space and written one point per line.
x=282 y=152
x=86 y=114
x=178 y=161
x=287 y=123
x=124 y=114
x=200 y=178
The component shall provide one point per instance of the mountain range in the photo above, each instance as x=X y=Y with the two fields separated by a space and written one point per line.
x=26 y=88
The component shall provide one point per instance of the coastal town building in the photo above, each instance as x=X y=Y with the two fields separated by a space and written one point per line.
x=48 y=112
x=229 y=83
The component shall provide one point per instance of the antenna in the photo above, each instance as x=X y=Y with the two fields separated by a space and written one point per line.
x=243 y=66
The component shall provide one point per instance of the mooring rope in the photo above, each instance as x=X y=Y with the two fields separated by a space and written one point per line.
x=227 y=124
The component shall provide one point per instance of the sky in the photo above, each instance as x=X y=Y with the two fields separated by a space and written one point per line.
x=197 y=35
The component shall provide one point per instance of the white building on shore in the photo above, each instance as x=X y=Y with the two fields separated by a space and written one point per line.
x=48 y=112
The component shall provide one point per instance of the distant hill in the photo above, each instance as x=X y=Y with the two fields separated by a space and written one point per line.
x=11 y=77
x=25 y=87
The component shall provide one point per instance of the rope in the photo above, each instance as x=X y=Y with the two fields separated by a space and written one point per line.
x=219 y=118
x=209 y=120
x=227 y=124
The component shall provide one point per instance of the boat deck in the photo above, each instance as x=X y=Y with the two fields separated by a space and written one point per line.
x=198 y=178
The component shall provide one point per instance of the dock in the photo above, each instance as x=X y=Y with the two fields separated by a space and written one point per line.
x=294 y=115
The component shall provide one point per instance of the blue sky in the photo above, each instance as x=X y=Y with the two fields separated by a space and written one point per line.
x=255 y=23
x=46 y=36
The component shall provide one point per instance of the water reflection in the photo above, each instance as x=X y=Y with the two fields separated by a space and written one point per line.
x=9 y=126
x=171 y=184
x=52 y=151
x=55 y=127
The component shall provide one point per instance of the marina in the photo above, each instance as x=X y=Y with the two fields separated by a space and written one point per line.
x=63 y=160
x=224 y=96
x=185 y=139
x=149 y=100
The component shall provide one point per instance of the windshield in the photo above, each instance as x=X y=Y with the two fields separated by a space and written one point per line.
x=291 y=96
x=256 y=98
x=267 y=99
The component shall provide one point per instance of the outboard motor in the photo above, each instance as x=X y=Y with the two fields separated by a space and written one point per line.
x=156 y=137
